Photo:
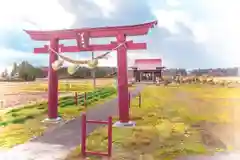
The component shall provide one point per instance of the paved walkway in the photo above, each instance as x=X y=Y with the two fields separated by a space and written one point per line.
x=55 y=145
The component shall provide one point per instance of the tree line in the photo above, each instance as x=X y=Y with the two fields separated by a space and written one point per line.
x=234 y=71
x=28 y=72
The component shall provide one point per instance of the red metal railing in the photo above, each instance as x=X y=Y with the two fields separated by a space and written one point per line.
x=129 y=99
x=84 y=136
x=77 y=97
x=85 y=99
x=139 y=99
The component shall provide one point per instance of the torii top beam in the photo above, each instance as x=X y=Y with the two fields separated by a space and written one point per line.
x=129 y=30
x=87 y=33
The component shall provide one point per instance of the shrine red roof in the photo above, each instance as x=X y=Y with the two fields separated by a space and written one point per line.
x=148 y=64
x=44 y=68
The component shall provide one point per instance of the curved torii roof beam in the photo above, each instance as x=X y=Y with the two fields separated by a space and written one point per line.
x=129 y=30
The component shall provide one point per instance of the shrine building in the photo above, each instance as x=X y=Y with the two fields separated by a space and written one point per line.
x=147 y=69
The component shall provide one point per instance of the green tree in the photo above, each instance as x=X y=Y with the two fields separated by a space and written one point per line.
x=5 y=73
x=27 y=71
x=15 y=69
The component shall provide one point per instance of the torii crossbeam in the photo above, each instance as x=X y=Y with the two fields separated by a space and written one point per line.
x=82 y=36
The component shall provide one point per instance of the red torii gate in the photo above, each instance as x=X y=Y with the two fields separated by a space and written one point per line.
x=82 y=36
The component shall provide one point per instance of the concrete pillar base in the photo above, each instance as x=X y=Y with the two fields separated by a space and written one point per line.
x=55 y=120
x=128 y=124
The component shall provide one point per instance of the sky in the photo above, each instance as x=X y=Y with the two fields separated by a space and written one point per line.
x=190 y=33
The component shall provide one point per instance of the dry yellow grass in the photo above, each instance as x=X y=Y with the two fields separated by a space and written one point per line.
x=228 y=78
x=165 y=124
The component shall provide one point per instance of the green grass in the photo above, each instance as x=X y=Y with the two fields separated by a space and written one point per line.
x=165 y=124
x=19 y=125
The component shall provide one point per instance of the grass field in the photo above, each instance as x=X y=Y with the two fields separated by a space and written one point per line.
x=174 y=122
x=19 y=124
x=17 y=93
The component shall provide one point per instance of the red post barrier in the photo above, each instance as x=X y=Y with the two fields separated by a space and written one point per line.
x=85 y=100
x=76 y=98
x=84 y=137
x=139 y=100
x=129 y=99
x=109 y=136
x=97 y=122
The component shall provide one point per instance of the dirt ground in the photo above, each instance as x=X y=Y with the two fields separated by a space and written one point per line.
x=230 y=133
x=225 y=135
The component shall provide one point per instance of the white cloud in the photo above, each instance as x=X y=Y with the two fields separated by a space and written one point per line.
x=170 y=18
x=219 y=30
x=223 y=29
x=173 y=3
x=106 y=6
x=200 y=31
x=47 y=14
x=16 y=15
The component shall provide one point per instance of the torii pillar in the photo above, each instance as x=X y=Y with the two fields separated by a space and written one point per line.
x=82 y=36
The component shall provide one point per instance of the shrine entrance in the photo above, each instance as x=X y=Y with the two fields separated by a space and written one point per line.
x=82 y=37
x=147 y=70
x=147 y=76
